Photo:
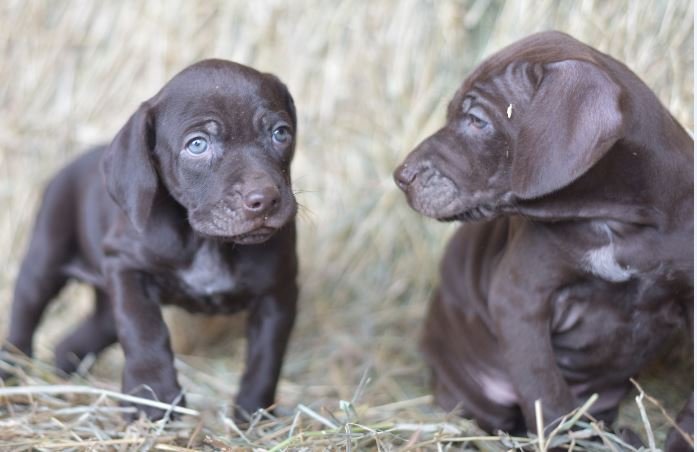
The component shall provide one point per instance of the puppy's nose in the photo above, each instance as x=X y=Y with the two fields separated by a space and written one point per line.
x=261 y=201
x=403 y=176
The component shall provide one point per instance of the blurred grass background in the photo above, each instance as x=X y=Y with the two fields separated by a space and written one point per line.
x=370 y=80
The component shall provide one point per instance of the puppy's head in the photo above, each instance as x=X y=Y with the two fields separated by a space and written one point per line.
x=529 y=121
x=219 y=139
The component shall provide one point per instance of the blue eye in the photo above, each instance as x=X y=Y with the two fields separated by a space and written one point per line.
x=281 y=135
x=197 y=146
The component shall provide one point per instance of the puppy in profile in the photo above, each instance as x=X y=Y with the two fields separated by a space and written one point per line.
x=190 y=205
x=575 y=264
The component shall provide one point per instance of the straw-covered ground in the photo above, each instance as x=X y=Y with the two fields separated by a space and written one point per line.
x=370 y=80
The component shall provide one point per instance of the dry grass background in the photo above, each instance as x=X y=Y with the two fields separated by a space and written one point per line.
x=370 y=80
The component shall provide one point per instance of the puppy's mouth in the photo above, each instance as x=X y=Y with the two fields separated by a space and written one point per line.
x=228 y=224
x=472 y=214
x=253 y=237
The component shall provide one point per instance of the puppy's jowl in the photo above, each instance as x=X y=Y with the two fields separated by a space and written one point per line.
x=579 y=267
x=191 y=204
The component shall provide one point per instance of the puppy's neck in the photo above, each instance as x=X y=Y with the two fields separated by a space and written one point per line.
x=631 y=184
x=638 y=196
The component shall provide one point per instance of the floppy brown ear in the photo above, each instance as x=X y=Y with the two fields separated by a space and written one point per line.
x=573 y=120
x=128 y=170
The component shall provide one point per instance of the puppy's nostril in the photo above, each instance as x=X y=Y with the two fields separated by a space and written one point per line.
x=404 y=176
x=262 y=200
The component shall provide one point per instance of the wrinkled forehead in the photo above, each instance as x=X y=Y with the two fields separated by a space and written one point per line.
x=221 y=89
x=512 y=83
x=512 y=74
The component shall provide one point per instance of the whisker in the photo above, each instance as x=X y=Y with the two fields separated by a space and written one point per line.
x=301 y=191
x=305 y=213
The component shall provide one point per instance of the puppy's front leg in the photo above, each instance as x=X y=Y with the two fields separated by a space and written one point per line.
x=149 y=369
x=268 y=329
x=521 y=308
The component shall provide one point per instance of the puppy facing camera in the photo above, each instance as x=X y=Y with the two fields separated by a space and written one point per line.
x=191 y=205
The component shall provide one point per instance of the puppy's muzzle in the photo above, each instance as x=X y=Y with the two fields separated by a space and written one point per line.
x=261 y=202
x=407 y=172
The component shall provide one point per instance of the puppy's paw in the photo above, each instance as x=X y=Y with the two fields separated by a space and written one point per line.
x=245 y=407
x=630 y=437
x=65 y=361
x=169 y=394
x=153 y=413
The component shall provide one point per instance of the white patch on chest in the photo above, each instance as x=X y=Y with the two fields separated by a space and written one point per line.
x=602 y=263
x=208 y=272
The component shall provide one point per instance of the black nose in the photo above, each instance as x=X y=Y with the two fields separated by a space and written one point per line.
x=261 y=201
x=403 y=176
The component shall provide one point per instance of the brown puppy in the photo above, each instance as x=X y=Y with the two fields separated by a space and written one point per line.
x=580 y=267
x=191 y=204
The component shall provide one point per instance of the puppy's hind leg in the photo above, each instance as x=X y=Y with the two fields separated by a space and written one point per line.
x=41 y=276
x=466 y=375
x=94 y=334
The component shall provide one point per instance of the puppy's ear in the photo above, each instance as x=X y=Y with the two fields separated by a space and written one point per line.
x=573 y=120
x=128 y=170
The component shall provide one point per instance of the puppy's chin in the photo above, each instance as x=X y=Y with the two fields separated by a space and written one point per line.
x=448 y=204
x=478 y=213
x=254 y=237
x=435 y=207
x=454 y=211
x=229 y=226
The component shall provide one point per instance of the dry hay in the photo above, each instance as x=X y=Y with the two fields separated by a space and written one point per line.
x=370 y=79
x=44 y=413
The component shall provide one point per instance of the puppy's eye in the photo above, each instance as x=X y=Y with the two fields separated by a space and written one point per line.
x=197 y=146
x=281 y=135
x=476 y=121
